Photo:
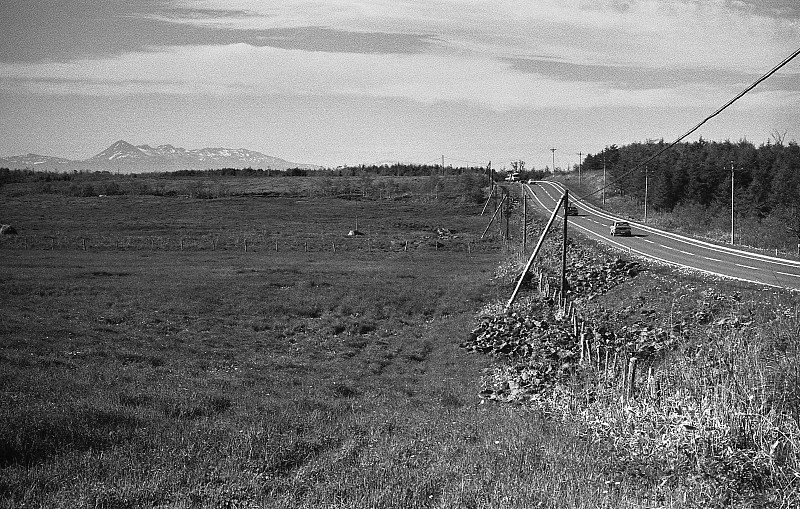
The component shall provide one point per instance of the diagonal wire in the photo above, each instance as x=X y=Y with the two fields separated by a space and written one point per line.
x=693 y=129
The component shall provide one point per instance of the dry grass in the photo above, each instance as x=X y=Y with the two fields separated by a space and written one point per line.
x=132 y=376
x=713 y=420
x=139 y=377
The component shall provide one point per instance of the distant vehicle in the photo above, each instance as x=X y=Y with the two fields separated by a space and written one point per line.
x=512 y=177
x=572 y=210
x=621 y=228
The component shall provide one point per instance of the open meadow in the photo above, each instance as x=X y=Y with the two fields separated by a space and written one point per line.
x=244 y=351
x=135 y=373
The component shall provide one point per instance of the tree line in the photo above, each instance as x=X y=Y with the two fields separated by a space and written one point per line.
x=386 y=170
x=766 y=179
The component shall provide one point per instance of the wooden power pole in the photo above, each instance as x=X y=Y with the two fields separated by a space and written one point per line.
x=564 y=248
x=524 y=218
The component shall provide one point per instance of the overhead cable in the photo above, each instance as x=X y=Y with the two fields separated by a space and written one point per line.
x=693 y=129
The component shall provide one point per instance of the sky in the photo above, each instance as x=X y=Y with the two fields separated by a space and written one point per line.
x=343 y=82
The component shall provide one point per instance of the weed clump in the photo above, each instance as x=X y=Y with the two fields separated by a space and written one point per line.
x=694 y=389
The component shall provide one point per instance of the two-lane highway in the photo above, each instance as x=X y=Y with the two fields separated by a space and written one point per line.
x=671 y=248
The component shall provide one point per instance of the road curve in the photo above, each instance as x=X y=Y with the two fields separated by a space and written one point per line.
x=669 y=247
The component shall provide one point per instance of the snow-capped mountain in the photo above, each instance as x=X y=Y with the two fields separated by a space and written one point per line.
x=123 y=157
x=121 y=150
x=33 y=161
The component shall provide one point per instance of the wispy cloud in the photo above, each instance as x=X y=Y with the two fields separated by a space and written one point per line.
x=653 y=33
x=636 y=78
x=523 y=59
x=242 y=69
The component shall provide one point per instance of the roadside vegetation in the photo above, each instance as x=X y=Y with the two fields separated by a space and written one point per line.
x=689 y=189
x=222 y=353
x=691 y=381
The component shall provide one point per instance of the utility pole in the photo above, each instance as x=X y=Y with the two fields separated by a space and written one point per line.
x=491 y=185
x=564 y=249
x=554 y=159
x=508 y=206
x=645 y=192
x=732 y=215
x=524 y=217
x=604 y=177
x=580 y=164
x=442 y=164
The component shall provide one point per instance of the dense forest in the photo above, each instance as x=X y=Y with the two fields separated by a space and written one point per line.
x=766 y=178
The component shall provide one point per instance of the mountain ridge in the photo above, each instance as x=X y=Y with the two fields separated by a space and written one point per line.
x=124 y=157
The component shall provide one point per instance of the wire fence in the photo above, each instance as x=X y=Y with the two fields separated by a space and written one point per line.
x=248 y=243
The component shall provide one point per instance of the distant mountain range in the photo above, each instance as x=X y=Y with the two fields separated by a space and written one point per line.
x=122 y=157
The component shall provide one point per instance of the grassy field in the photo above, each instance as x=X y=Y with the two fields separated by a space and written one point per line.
x=134 y=373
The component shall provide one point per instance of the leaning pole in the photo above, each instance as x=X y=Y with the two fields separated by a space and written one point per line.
x=535 y=252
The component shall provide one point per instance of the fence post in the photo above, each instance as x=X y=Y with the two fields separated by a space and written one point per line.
x=276 y=246
x=213 y=244
x=334 y=247
x=84 y=244
x=181 y=243
x=406 y=248
x=631 y=382
x=245 y=245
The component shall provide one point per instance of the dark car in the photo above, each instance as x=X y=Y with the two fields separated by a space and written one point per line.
x=572 y=210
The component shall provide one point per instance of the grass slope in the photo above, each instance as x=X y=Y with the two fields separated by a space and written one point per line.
x=136 y=376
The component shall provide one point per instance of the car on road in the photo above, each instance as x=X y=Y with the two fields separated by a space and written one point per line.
x=621 y=228
x=572 y=210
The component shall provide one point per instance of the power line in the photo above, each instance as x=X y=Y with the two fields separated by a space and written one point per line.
x=693 y=129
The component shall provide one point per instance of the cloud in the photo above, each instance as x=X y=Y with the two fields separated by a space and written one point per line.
x=242 y=69
x=501 y=55
x=719 y=34
x=338 y=41
x=75 y=31
x=642 y=78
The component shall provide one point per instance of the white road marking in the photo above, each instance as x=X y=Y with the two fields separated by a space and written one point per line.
x=667 y=247
x=648 y=241
x=670 y=262
x=746 y=266
x=787 y=274
x=712 y=259
x=690 y=241
x=686 y=252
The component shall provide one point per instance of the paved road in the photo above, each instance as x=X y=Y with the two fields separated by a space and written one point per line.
x=671 y=248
